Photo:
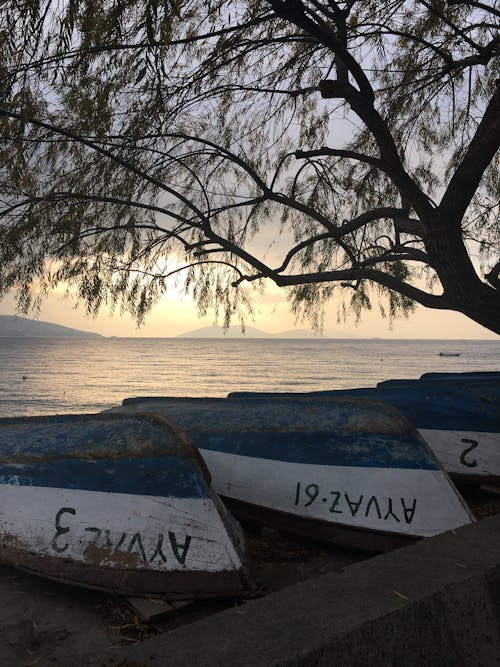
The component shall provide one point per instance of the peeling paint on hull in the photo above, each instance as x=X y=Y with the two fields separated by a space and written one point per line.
x=111 y=518
x=458 y=414
x=352 y=471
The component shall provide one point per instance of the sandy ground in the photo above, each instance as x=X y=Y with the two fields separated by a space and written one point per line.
x=47 y=623
x=44 y=622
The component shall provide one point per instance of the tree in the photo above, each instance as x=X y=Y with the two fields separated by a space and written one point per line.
x=331 y=147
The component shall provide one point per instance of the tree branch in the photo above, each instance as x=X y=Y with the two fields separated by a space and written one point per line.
x=300 y=246
x=110 y=48
x=293 y=10
x=333 y=152
x=107 y=199
x=388 y=151
x=418 y=295
x=476 y=160
x=169 y=274
x=63 y=132
x=357 y=274
x=472 y=3
x=493 y=277
x=435 y=10
x=369 y=216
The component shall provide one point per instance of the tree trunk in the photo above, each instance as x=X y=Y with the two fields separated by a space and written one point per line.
x=481 y=303
x=462 y=287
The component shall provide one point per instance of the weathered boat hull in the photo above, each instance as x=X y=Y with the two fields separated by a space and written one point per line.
x=484 y=385
x=350 y=471
x=470 y=454
x=459 y=420
x=463 y=378
x=116 y=503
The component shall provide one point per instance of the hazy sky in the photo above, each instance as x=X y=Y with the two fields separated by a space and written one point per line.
x=176 y=315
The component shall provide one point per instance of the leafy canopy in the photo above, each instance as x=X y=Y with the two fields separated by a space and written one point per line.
x=342 y=148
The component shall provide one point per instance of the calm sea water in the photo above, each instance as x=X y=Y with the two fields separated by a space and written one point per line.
x=88 y=375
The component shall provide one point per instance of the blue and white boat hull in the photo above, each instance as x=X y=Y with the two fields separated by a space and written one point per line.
x=349 y=471
x=118 y=503
x=466 y=440
x=458 y=417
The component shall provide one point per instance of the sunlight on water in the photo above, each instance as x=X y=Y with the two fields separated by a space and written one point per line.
x=88 y=375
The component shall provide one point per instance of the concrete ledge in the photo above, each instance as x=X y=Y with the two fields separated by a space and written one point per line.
x=434 y=603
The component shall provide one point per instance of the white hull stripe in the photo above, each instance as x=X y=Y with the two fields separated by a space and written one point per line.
x=409 y=502
x=116 y=530
x=465 y=452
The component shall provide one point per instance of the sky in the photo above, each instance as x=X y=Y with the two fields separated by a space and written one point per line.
x=176 y=314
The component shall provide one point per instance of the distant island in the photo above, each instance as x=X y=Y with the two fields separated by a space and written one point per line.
x=251 y=332
x=13 y=326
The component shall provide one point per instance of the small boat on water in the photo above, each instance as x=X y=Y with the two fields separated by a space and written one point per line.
x=449 y=354
x=115 y=502
x=458 y=415
x=349 y=471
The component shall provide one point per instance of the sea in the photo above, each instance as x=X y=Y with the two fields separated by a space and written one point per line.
x=42 y=376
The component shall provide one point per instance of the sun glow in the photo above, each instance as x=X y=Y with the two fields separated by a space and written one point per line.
x=176 y=312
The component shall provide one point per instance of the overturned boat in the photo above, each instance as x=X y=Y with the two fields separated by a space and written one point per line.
x=458 y=415
x=115 y=502
x=483 y=384
x=464 y=378
x=349 y=471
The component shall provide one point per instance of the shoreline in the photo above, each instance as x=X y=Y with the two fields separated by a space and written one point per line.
x=46 y=621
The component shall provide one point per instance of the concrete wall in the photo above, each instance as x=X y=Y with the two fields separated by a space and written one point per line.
x=434 y=603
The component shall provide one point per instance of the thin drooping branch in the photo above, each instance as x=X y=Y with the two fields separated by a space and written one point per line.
x=149 y=44
x=333 y=152
x=67 y=133
x=63 y=197
x=473 y=3
x=180 y=269
x=434 y=9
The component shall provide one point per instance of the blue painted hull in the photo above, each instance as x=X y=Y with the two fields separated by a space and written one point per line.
x=484 y=385
x=458 y=415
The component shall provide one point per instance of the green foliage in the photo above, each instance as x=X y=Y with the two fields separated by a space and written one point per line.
x=340 y=149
